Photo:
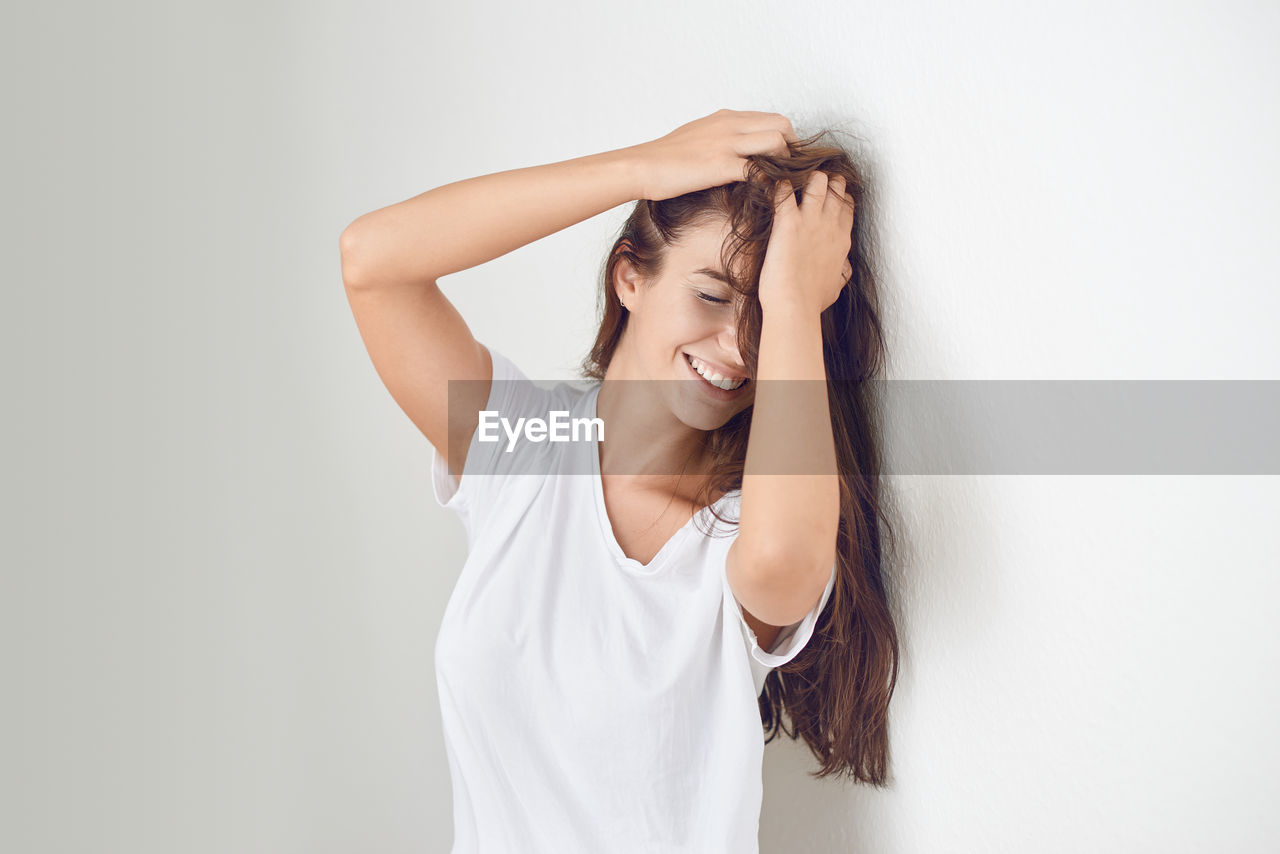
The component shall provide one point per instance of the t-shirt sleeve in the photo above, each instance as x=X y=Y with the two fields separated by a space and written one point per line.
x=512 y=395
x=790 y=640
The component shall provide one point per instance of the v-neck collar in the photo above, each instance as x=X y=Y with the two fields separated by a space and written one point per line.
x=669 y=548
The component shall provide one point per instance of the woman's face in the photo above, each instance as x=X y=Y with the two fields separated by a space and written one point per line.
x=688 y=316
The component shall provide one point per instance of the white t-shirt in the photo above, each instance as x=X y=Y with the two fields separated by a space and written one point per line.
x=589 y=702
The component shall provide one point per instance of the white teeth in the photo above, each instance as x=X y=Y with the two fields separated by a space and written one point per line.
x=712 y=377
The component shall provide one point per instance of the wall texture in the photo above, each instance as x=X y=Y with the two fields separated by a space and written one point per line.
x=223 y=571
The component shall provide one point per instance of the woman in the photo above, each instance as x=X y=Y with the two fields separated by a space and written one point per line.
x=599 y=655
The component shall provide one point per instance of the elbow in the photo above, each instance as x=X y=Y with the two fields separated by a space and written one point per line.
x=784 y=585
x=350 y=243
x=370 y=260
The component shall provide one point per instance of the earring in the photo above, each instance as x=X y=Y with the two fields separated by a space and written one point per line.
x=624 y=305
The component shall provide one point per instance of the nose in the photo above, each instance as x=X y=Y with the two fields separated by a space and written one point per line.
x=727 y=339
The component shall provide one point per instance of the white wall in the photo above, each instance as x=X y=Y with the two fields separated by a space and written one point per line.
x=223 y=570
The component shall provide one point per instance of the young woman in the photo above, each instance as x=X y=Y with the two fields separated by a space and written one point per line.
x=599 y=657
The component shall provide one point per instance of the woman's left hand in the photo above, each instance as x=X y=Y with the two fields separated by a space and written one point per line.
x=806 y=263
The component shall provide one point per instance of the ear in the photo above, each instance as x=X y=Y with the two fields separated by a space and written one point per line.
x=626 y=279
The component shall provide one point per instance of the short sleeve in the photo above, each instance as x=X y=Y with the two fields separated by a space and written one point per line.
x=512 y=395
x=791 y=639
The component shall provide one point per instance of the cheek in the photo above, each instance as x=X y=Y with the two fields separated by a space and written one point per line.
x=688 y=327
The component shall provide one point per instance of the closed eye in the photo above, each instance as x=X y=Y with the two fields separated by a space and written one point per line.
x=711 y=299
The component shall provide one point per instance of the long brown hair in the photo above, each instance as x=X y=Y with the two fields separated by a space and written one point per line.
x=836 y=691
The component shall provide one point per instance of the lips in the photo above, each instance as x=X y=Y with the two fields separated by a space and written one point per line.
x=713 y=390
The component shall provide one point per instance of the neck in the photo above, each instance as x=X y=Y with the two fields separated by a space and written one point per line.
x=645 y=445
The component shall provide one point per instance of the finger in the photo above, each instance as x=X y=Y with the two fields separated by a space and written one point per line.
x=756 y=120
x=784 y=197
x=848 y=205
x=815 y=190
x=784 y=124
x=836 y=195
x=763 y=142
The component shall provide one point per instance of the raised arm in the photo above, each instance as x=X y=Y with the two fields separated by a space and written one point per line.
x=392 y=257
x=466 y=223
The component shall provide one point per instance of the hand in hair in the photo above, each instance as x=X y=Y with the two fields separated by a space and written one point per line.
x=806 y=263
x=709 y=152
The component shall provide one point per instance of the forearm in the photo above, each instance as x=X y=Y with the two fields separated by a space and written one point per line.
x=466 y=223
x=788 y=516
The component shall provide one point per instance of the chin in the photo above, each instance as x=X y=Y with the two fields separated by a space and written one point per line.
x=699 y=413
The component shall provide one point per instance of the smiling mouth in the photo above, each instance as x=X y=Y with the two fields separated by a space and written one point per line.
x=710 y=377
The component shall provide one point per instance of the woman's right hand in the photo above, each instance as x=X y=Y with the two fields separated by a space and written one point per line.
x=709 y=151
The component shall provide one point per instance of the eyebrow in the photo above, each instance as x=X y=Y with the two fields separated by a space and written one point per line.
x=710 y=273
